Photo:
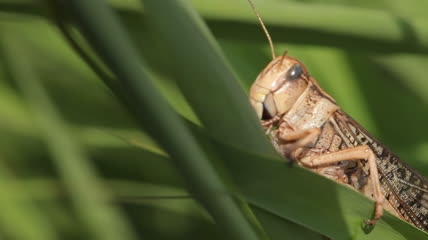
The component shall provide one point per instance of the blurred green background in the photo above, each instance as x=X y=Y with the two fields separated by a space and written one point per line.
x=368 y=55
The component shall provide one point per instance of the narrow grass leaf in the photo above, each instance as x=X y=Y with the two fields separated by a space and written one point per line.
x=365 y=28
x=89 y=196
x=109 y=40
x=321 y=23
x=20 y=217
x=204 y=76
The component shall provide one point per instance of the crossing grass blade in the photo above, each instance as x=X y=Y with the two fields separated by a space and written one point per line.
x=109 y=40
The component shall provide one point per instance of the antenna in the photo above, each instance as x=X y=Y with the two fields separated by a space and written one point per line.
x=264 y=29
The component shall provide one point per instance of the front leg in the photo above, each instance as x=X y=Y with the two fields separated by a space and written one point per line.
x=353 y=154
x=298 y=139
x=269 y=124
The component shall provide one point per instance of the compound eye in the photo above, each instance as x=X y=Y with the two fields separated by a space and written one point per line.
x=295 y=72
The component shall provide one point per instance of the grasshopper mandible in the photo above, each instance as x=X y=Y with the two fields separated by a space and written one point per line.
x=308 y=127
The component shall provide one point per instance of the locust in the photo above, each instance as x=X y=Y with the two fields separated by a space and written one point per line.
x=308 y=127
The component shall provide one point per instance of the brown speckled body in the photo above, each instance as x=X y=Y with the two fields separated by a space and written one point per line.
x=296 y=104
x=405 y=190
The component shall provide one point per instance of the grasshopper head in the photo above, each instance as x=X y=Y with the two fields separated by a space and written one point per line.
x=278 y=87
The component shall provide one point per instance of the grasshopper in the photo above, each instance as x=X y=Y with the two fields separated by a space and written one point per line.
x=307 y=127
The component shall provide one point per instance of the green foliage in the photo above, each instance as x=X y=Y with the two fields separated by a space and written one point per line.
x=171 y=149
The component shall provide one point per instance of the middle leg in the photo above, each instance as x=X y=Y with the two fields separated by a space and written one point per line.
x=353 y=154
